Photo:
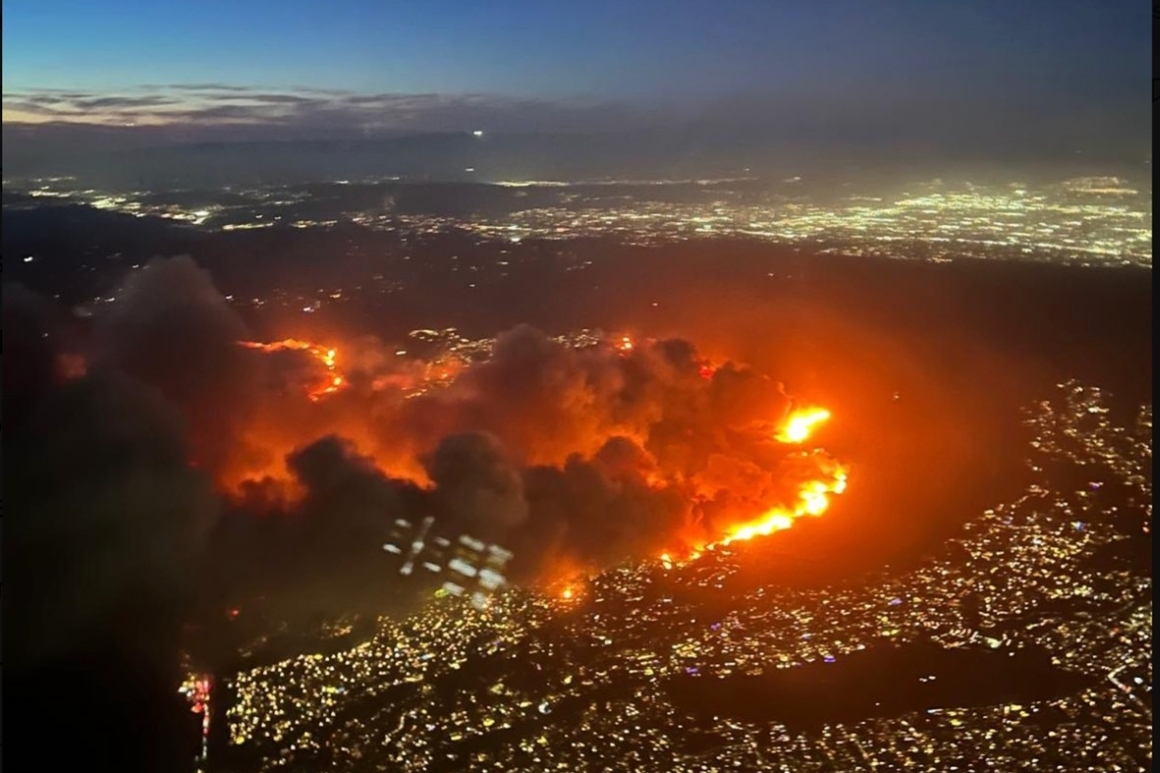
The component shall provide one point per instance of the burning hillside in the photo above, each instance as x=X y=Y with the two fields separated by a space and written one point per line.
x=811 y=497
x=330 y=382
x=572 y=455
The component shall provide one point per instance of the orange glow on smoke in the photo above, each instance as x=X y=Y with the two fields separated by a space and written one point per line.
x=813 y=496
x=273 y=432
x=813 y=499
x=325 y=355
x=800 y=425
x=71 y=366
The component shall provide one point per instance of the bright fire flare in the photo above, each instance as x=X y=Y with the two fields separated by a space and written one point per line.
x=800 y=425
x=325 y=355
x=813 y=497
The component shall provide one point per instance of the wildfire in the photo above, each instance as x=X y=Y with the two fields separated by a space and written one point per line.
x=800 y=425
x=813 y=499
x=568 y=592
x=327 y=356
x=813 y=496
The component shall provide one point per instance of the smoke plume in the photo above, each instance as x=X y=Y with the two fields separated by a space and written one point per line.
x=106 y=519
x=569 y=456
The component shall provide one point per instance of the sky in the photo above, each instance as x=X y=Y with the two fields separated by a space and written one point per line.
x=515 y=64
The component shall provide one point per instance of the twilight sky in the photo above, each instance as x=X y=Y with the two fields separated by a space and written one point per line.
x=516 y=65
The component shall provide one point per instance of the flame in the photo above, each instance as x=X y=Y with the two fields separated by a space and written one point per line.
x=800 y=425
x=813 y=500
x=327 y=356
x=813 y=496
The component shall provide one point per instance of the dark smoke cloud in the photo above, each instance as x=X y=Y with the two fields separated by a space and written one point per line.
x=477 y=484
x=596 y=513
x=323 y=553
x=620 y=458
x=171 y=328
x=540 y=398
x=105 y=525
x=587 y=456
x=570 y=456
x=624 y=422
x=107 y=513
x=546 y=401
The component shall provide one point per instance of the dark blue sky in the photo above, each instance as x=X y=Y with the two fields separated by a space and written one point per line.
x=510 y=63
x=555 y=49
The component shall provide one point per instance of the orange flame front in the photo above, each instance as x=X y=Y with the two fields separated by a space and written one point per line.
x=813 y=496
x=813 y=499
x=334 y=380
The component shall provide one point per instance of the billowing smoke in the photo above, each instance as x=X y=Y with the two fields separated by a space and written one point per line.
x=172 y=329
x=599 y=511
x=321 y=551
x=569 y=456
x=105 y=523
x=477 y=485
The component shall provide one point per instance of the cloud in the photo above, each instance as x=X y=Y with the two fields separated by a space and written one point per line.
x=121 y=103
x=300 y=112
x=210 y=87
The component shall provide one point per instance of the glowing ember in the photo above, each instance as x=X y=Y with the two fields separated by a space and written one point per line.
x=326 y=356
x=800 y=425
x=71 y=366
